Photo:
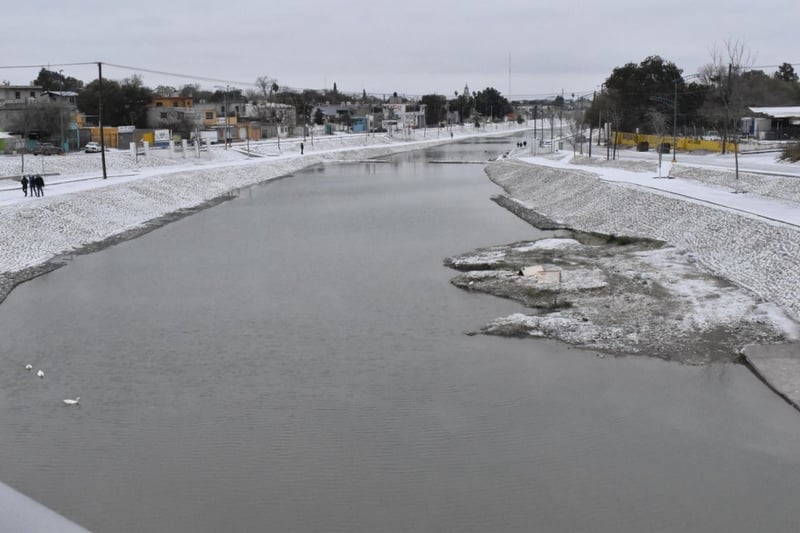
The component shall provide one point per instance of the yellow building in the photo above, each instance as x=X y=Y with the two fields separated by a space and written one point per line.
x=171 y=101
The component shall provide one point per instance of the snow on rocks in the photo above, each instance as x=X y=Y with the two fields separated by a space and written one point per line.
x=487 y=257
x=548 y=244
x=562 y=328
x=622 y=296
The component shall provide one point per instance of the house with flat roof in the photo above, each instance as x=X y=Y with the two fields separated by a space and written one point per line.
x=18 y=94
x=784 y=123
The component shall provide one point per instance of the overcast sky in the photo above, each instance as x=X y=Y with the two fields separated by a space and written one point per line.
x=412 y=47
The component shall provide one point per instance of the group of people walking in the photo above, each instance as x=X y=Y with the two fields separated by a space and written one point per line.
x=35 y=182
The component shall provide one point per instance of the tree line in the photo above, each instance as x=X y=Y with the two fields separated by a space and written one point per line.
x=125 y=102
x=655 y=96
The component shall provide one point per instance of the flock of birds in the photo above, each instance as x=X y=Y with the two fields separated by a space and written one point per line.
x=40 y=373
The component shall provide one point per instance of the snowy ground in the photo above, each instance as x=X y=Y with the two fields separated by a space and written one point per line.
x=743 y=229
x=746 y=230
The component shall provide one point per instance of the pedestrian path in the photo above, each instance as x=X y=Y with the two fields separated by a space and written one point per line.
x=11 y=190
x=772 y=209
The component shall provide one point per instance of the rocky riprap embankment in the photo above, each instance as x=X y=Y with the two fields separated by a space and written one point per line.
x=755 y=254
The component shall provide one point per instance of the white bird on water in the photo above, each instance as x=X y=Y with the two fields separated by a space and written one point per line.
x=40 y=374
x=29 y=367
x=70 y=401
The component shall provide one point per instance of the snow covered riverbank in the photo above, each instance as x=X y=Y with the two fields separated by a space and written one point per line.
x=731 y=235
x=754 y=252
x=80 y=209
x=743 y=229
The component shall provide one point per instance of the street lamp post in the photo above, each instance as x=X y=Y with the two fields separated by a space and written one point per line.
x=227 y=115
x=675 y=123
x=61 y=110
x=100 y=117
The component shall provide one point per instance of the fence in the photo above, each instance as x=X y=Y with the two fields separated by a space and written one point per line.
x=687 y=144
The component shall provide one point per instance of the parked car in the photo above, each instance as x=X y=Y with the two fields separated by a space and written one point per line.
x=712 y=135
x=91 y=147
x=46 y=149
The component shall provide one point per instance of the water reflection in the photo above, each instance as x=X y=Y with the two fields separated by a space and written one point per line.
x=294 y=360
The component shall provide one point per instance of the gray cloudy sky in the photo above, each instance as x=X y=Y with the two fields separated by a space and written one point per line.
x=414 y=47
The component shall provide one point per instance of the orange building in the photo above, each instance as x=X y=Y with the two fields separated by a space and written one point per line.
x=171 y=101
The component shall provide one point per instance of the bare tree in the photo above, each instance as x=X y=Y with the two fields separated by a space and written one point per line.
x=615 y=113
x=658 y=122
x=267 y=86
x=573 y=129
x=724 y=107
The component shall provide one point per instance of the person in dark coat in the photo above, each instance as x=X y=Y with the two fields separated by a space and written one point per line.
x=39 y=182
x=24 y=182
x=301 y=148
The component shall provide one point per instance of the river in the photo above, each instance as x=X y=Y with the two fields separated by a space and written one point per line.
x=294 y=360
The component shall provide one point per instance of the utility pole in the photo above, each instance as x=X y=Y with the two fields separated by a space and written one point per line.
x=551 y=120
x=100 y=116
x=227 y=124
x=24 y=141
x=675 y=123
x=594 y=95
x=599 y=127
x=227 y=113
x=727 y=122
x=727 y=110
x=61 y=110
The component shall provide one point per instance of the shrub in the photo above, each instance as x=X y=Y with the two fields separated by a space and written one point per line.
x=791 y=153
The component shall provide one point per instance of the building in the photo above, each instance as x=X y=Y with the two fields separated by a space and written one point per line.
x=18 y=94
x=70 y=120
x=173 y=112
x=35 y=114
x=784 y=123
x=397 y=116
x=211 y=116
x=15 y=103
x=272 y=119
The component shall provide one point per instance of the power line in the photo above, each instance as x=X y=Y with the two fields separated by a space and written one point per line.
x=792 y=63
x=194 y=77
x=179 y=75
x=84 y=63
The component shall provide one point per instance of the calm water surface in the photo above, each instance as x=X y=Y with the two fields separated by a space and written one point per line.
x=294 y=360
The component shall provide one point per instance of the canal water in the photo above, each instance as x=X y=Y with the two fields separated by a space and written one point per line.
x=295 y=360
